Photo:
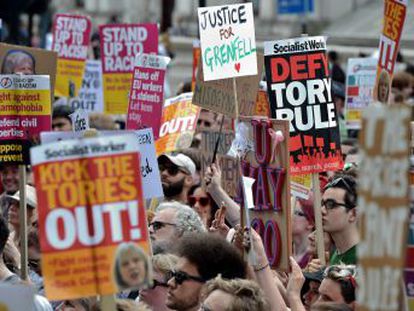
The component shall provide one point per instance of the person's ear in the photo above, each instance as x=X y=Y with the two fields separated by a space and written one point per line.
x=188 y=181
x=352 y=215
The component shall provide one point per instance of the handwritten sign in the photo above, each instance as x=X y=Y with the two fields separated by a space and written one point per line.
x=178 y=123
x=70 y=40
x=90 y=97
x=120 y=44
x=228 y=45
x=384 y=164
x=147 y=93
x=218 y=95
x=80 y=120
x=393 y=23
x=299 y=90
x=91 y=207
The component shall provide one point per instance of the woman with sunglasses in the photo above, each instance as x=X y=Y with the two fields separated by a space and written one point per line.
x=156 y=296
x=203 y=204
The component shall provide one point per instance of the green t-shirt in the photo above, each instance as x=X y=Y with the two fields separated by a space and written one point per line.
x=347 y=258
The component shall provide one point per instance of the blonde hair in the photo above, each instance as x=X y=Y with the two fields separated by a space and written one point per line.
x=164 y=262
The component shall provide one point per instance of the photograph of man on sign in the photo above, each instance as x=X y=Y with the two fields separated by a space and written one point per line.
x=18 y=61
x=383 y=91
x=132 y=267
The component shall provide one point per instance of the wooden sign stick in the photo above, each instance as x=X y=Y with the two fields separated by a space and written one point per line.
x=218 y=141
x=318 y=218
x=23 y=223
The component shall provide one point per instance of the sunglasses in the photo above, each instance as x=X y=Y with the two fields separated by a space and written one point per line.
x=156 y=283
x=157 y=225
x=171 y=169
x=203 y=201
x=332 y=204
x=181 y=276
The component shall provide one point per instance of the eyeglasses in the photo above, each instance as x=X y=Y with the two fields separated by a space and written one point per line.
x=299 y=213
x=204 y=201
x=156 y=283
x=332 y=204
x=172 y=169
x=181 y=276
x=157 y=225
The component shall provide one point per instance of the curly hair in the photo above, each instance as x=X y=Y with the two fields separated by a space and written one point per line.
x=247 y=295
x=187 y=220
x=212 y=255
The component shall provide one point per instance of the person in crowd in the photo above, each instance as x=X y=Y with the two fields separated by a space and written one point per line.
x=233 y=295
x=61 y=120
x=195 y=156
x=339 y=217
x=156 y=296
x=18 y=62
x=5 y=274
x=9 y=178
x=338 y=95
x=201 y=257
x=82 y=304
x=171 y=220
x=336 y=72
x=100 y=121
x=132 y=267
x=177 y=176
x=401 y=87
x=203 y=204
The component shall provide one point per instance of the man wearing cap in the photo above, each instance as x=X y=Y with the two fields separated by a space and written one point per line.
x=177 y=173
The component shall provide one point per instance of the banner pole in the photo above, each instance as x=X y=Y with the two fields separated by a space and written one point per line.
x=318 y=218
x=218 y=141
x=23 y=223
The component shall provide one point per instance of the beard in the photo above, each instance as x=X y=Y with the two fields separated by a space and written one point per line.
x=173 y=189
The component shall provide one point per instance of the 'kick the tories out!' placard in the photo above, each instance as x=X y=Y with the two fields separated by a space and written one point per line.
x=228 y=47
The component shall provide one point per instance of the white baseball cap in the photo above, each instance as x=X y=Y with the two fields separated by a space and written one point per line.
x=31 y=199
x=180 y=160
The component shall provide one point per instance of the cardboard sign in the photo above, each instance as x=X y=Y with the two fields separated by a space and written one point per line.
x=70 y=40
x=120 y=44
x=24 y=113
x=269 y=166
x=16 y=297
x=301 y=185
x=228 y=44
x=149 y=165
x=90 y=97
x=25 y=60
x=80 y=120
x=299 y=90
x=218 y=95
x=229 y=165
x=146 y=97
x=360 y=82
x=392 y=27
x=91 y=216
x=178 y=123
x=383 y=199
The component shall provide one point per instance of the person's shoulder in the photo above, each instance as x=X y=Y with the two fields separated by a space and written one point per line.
x=12 y=279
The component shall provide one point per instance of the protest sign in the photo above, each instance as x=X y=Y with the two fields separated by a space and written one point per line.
x=301 y=185
x=219 y=95
x=24 y=113
x=80 y=120
x=269 y=166
x=360 y=82
x=90 y=97
x=147 y=93
x=392 y=27
x=228 y=165
x=178 y=123
x=70 y=40
x=91 y=211
x=196 y=61
x=409 y=265
x=120 y=43
x=228 y=44
x=25 y=60
x=299 y=89
x=149 y=166
x=16 y=297
x=384 y=200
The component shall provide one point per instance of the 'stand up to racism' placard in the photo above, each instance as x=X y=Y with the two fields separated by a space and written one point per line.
x=70 y=40
x=91 y=213
x=24 y=113
x=228 y=46
x=299 y=90
x=119 y=46
x=383 y=201
x=146 y=95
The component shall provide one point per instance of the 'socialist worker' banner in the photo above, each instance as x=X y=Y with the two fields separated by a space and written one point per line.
x=119 y=46
x=92 y=221
x=392 y=27
x=360 y=82
x=24 y=113
x=383 y=198
x=228 y=45
x=147 y=93
x=70 y=40
x=178 y=123
x=299 y=90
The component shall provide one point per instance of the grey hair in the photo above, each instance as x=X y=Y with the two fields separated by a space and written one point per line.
x=187 y=220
